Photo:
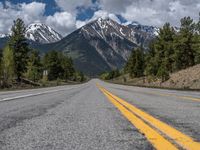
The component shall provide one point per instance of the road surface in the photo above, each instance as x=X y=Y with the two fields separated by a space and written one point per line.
x=99 y=116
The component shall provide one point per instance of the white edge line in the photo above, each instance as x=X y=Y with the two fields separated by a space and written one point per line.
x=30 y=95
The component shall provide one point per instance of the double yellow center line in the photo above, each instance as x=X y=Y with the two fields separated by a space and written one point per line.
x=159 y=134
x=173 y=95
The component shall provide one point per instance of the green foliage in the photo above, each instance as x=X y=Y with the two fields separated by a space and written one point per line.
x=53 y=65
x=8 y=65
x=184 y=45
x=170 y=51
x=110 y=75
x=59 y=66
x=34 y=66
x=135 y=64
x=159 y=60
x=19 y=45
x=67 y=66
x=18 y=60
x=163 y=73
x=79 y=76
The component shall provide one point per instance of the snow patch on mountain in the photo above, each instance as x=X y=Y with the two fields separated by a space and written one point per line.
x=42 y=33
x=3 y=35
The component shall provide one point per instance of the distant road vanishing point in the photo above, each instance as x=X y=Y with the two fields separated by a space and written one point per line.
x=99 y=115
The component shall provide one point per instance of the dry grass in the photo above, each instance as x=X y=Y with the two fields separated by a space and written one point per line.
x=184 y=79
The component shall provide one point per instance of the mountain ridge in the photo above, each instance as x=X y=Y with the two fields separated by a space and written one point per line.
x=100 y=45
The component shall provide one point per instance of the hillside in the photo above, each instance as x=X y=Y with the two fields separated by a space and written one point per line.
x=185 y=79
x=99 y=46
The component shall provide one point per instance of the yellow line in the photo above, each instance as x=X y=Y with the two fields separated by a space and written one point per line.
x=190 y=98
x=173 y=95
x=178 y=137
x=157 y=140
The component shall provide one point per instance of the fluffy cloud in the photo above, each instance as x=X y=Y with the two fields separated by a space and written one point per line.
x=114 y=6
x=104 y=14
x=98 y=14
x=31 y=12
x=72 y=5
x=149 y=12
x=63 y=22
x=152 y=12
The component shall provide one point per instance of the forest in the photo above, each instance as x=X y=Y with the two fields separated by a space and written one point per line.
x=172 y=50
x=19 y=62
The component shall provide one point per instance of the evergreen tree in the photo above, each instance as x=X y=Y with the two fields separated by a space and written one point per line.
x=159 y=59
x=1 y=70
x=8 y=65
x=67 y=66
x=34 y=66
x=59 y=66
x=163 y=73
x=53 y=65
x=135 y=64
x=151 y=66
x=197 y=42
x=19 y=45
x=184 y=45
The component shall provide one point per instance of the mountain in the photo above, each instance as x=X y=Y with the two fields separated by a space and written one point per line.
x=39 y=33
x=101 y=45
x=42 y=33
x=3 y=35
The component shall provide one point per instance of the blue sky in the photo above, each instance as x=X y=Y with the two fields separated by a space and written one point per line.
x=66 y=16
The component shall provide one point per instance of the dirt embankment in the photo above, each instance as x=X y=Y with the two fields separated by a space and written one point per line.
x=184 y=79
x=188 y=78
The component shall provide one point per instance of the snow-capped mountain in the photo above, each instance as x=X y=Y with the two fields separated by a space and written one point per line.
x=42 y=33
x=151 y=30
x=102 y=45
x=113 y=33
x=39 y=33
x=3 y=35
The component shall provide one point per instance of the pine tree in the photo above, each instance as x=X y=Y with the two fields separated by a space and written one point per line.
x=19 y=45
x=53 y=65
x=67 y=66
x=1 y=70
x=184 y=45
x=135 y=64
x=197 y=42
x=163 y=73
x=164 y=47
x=34 y=66
x=151 y=67
x=159 y=59
x=8 y=65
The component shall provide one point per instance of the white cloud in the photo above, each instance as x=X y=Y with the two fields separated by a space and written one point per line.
x=152 y=12
x=31 y=12
x=98 y=14
x=63 y=22
x=71 y=5
x=104 y=14
x=149 y=12
x=80 y=23
x=114 y=6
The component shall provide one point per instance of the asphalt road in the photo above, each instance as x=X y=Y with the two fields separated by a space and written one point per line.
x=99 y=116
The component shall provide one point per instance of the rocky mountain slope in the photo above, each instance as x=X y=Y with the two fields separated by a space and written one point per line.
x=102 y=45
x=99 y=46
x=184 y=79
x=42 y=33
x=39 y=33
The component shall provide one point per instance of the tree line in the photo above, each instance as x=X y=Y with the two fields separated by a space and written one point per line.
x=172 y=50
x=19 y=61
x=110 y=75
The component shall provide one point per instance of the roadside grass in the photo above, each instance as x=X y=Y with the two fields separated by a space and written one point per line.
x=147 y=83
